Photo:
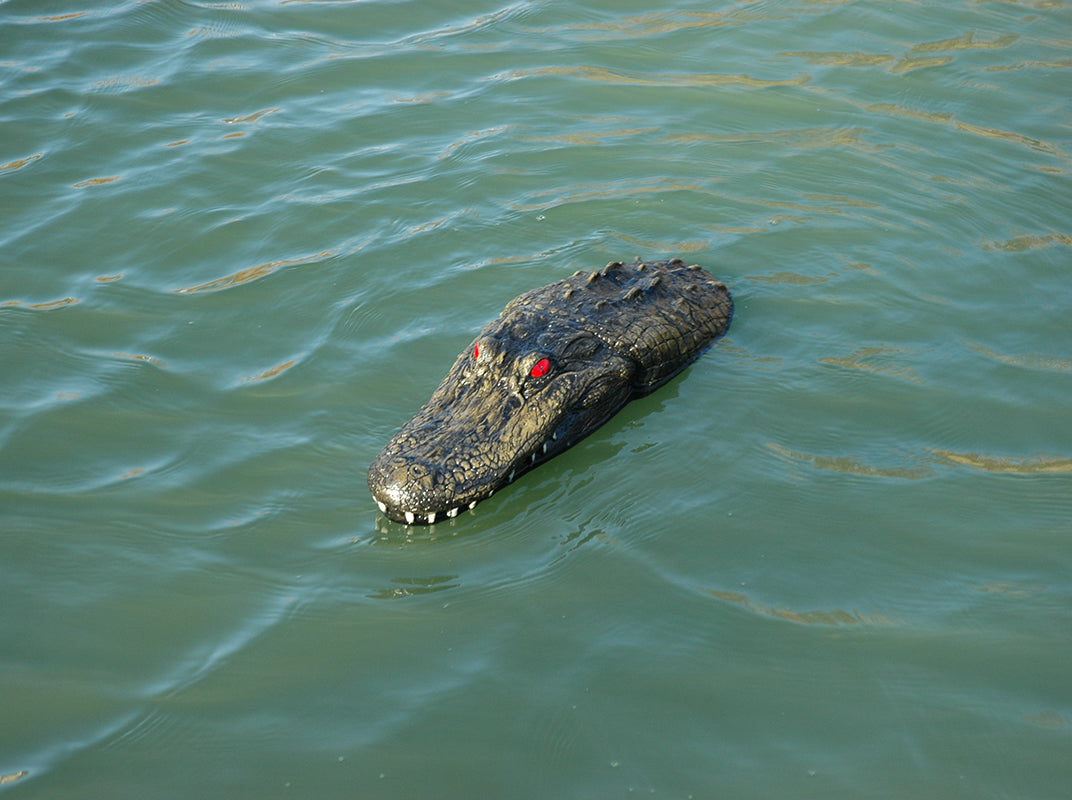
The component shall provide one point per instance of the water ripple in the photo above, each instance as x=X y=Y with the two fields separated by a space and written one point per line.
x=835 y=618
x=603 y=75
x=242 y=242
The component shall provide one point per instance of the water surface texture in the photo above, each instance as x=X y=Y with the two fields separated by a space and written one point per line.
x=241 y=242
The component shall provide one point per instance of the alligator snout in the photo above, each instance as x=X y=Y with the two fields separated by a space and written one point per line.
x=410 y=490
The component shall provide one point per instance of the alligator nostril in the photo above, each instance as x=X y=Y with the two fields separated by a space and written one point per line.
x=410 y=472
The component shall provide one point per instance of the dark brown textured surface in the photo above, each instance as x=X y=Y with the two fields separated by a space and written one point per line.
x=605 y=336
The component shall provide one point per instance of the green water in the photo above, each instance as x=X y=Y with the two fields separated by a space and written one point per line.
x=241 y=242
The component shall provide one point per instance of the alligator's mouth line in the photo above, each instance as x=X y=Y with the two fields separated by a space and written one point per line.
x=529 y=459
x=557 y=363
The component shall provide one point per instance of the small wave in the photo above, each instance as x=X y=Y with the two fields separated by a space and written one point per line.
x=271 y=372
x=832 y=618
x=879 y=360
x=950 y=120
x=606 y=75
x=19 y=163
x=1036 y=464
x=48 y=305
x=1020 y=244
x=1029 y=360
x=250 y=274
x=850 y=465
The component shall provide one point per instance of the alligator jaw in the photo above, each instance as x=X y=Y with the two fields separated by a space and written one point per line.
x=393 y=504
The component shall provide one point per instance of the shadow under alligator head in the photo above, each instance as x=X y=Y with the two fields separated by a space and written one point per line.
x=557 y=363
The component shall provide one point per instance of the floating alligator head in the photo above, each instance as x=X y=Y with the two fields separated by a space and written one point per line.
x=557 y=363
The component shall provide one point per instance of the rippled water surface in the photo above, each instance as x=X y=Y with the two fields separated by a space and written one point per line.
x=241 y=242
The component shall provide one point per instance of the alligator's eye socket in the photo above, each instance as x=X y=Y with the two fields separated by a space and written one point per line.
x=539 y=369
x=476 y=350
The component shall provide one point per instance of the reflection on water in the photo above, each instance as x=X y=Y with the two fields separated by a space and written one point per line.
x=405 y=587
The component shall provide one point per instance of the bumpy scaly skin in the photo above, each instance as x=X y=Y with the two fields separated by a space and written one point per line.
x=606 y=336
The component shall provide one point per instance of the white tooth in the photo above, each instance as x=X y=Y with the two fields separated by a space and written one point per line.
x=431 y=518
x=554 y=435
x=472 y=505
x=545 y=447
x=511 y=480
x=452 y=513
x=409 y=517
x=383 y=506
x=533 y=458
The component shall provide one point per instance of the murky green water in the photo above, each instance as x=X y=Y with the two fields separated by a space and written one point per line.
x=240 y=243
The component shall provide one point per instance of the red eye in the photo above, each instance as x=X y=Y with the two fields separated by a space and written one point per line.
x=476 y=351
x=539 y=369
